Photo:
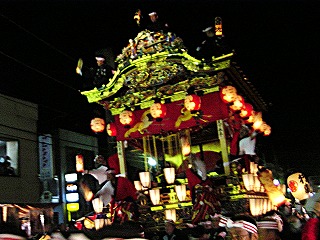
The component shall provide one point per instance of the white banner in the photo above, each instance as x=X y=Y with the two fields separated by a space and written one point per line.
x=45 y=157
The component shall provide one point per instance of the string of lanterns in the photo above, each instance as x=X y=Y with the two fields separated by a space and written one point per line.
x=192 y=103
x=237 y=104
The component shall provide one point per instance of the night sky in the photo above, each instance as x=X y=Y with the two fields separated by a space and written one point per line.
x=276 y=45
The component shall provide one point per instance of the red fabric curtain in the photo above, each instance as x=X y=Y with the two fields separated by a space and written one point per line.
x=177 y=118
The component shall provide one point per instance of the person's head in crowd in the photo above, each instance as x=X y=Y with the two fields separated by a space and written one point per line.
x=169 y=226
x=111 y=174
x=99 y=160
x=209 y=31
x=270 y=227
x=153 y=16
x=240 y=226
x=100 y=58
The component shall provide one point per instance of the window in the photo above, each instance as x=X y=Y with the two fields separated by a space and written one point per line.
x=9 y=153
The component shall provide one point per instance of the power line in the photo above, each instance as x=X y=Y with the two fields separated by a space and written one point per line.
x=41 y=40
x=38 y=71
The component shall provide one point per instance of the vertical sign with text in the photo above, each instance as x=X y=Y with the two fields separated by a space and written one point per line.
x=45 y=157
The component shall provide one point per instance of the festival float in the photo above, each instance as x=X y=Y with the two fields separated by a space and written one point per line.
x=174 y=108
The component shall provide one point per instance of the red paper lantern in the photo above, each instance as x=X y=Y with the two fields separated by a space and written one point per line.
x=158 y=111
x=228 y=94
x=112 y=130
x=97 y=125
x=192 y=102
x=246 y=110
x=126 y=118
x=237 y=104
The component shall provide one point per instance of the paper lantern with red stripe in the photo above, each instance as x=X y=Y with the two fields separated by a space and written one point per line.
x=158 y=111
x=192 y=102
x=112 y=129
x=126 y=118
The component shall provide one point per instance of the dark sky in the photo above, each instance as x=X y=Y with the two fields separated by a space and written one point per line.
x=276 y=43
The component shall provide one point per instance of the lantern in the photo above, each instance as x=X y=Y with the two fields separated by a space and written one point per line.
x=238 y=103
x=257 y=121
x=246 y=110
x=145 y=179
x=112 y=130
x=192 y=102
x=185 y=145
x=158 y=111
x=97 y=125
x=218 y=26
x=79 y=163
x=97 y=204
x=228 y=94
x=169 y=174
x=137 y=185
x=155 y=196
x=299 y=186
x=126 y=118
x=181 y=191
x=171 y=214
x=267 y=132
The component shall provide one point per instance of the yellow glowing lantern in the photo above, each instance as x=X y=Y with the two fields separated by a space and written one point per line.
x=126 y=118
x=112 y=129
x=267 y=131
x=185 y=146
x=228 y=94
x=218 y=26
x=257 y=121
x=299 y=186
x=192 y=102
x=97 y=125
x=238 y=103
x=79 y=163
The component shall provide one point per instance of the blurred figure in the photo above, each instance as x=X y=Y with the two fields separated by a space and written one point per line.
x=211 y=46
x=122 y=195
x=101 y=74
x=172 y=232
x=100 y=169
x=240 y=226
x=311 y=230
x=270 y=227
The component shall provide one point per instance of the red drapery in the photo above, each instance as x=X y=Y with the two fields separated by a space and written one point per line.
x=177 y=118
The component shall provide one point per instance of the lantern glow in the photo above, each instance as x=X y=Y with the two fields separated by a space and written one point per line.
x=126 y=118
x=97 y=125
x=238 y=103
x=145 y=179
x=169 y=174
x=155 y=196
x=79 y=163
x=112 y=130
x=158 y=111
x=192 y=102
x=299 y=186
x=246 y=110
x=228 y=94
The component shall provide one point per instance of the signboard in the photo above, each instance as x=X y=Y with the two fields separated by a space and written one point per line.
x=45 y=157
